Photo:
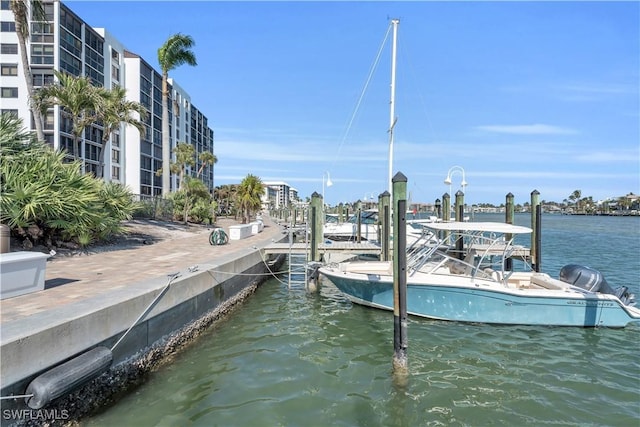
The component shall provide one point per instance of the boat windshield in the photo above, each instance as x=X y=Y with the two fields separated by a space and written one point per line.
x=366 y=217
x=471 y=251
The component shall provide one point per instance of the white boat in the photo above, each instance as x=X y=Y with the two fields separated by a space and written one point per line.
x=477 y=288
x=348 y=230
x=369 y=226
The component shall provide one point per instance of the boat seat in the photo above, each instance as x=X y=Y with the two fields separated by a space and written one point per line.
x=547 y=282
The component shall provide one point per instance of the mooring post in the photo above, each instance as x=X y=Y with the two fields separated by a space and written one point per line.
x=400 y=343
x=538 y=238
x=459 y=212
x=535 y=202
x=340 y=212
x=385 y=225
x=446 y=214
x=446 y=207
x=438 y=206
x=509 y=217
x=316 y=221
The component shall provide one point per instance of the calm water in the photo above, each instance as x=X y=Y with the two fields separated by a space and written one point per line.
x=288 y=358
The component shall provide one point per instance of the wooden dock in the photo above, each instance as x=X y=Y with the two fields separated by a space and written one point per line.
x=345 y=247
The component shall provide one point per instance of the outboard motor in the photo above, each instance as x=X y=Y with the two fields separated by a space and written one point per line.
x=586 y=278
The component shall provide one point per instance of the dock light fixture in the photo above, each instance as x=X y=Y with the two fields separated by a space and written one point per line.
x=452 y=170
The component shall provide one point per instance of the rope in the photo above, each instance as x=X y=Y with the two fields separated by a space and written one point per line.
x=269 y=268
x=364 y=89
x=172 y=277
x=19 y=396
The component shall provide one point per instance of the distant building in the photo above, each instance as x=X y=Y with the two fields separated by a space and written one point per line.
x=67 y=44
x=277 y=195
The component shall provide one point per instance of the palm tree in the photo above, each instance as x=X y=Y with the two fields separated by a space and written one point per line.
x=13 y=136
x=78 y=98
x=194 y=190
x=20 y=9
x=250 y=196
x=225 y=193
x=185 y=156
x=575 y=197
x=173 y=53
x=206 y=158
x=118 y=110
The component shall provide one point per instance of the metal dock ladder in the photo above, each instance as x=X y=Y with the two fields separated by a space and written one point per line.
x=298 y=275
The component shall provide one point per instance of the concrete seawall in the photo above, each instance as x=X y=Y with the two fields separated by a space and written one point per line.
x=37 y=342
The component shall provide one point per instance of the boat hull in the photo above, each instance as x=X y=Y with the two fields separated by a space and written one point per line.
x=486 y=304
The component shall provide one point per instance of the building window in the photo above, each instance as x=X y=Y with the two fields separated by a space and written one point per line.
x=5 y=5
x=9 y=48
x=42 y=54
x=115 y=156
x=9 y=111
x=48 y=120
x=8 y=27
x=42 y=32
x=9 y=92
x=115 y=173
x=115 y=73
x=42 y=79
x=9 y=69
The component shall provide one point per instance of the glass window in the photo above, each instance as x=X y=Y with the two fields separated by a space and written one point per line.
x=9 y=69
x=9 y=92
x=9 y=48
x=48 y=120
x=40 y=79
x=8 y=27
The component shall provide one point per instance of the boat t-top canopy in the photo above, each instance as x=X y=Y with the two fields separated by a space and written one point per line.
x=484 y=227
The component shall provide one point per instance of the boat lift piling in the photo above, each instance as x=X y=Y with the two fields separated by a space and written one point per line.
x=459 y=211
x=385 y=225
x=400 y=342
x=509 y=217
x=446 y=207
x=535 y=236
x=538 y=234
x=316 y=215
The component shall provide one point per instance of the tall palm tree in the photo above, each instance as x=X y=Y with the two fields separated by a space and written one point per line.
x=206 y=158
x=20 y=9
x=173 y=53
x=78 y=98
x=250 y=196
x=118 y=110
x=185 y=156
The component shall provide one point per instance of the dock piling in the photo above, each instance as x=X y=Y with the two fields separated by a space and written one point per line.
x=509 y=217
x=385 y=225
x=535 y=203
x=400 y=342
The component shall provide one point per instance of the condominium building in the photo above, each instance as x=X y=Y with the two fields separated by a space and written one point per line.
x=277 y=194
x=67 y=44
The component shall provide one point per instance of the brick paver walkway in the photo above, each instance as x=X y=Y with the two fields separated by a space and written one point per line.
x=78 y=277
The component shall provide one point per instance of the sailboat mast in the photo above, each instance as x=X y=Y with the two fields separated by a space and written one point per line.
x=392 y=104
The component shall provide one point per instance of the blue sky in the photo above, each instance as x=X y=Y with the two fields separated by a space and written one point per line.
x=522 y=95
